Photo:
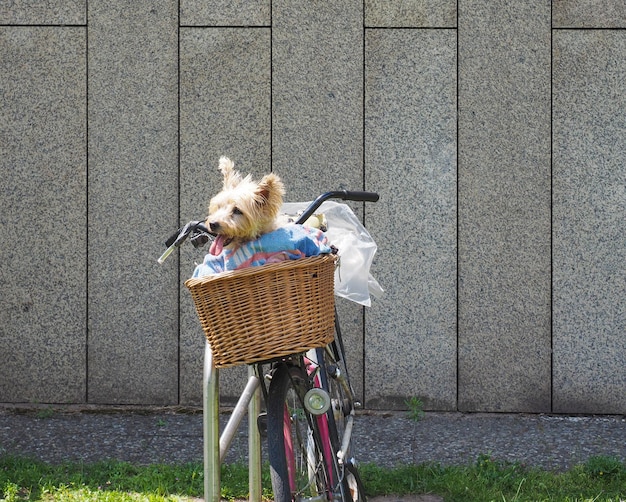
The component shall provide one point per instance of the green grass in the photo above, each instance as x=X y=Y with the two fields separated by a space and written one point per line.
x=601 y=479
x=415 y=408
x=23 y=479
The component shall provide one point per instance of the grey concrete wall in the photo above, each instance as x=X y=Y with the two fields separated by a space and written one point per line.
x=493 y=130
x=132 y=191
x=589 y=221
x=43 y=200
x=504 y=206
x=411 y=150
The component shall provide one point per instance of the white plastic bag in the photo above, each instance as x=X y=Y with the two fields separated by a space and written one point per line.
x=353 y=279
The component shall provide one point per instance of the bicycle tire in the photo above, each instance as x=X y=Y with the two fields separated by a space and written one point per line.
x=350 y=487
x=298 y=467
x=355 y=485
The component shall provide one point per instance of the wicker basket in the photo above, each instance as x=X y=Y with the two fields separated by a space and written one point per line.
x=262 y=313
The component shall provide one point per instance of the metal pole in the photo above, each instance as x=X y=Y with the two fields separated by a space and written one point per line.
x=211 y=397
x=254 y=442
x=242 y=407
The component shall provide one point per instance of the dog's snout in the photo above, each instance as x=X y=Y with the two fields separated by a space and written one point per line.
x=214 y=226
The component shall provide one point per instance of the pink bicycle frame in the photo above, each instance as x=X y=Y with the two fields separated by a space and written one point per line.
x=322 y=424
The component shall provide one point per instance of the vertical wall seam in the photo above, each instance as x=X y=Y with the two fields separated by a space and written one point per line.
x=271 y=87
x=551 y=211
x=178 y=176
x=86 y=201
x=363 y=171
x=458 y=275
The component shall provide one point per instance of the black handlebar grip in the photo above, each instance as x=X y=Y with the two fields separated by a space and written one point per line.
x=172 y=238
x=360 y=196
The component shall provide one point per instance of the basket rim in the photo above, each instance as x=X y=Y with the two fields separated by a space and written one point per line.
x=262 y=269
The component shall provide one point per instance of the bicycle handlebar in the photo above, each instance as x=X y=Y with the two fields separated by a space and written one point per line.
x=337 y=194
x=200 y=234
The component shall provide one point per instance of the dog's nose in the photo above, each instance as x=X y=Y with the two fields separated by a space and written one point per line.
x=214 y=226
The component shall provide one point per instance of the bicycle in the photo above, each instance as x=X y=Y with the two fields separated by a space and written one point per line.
x=310 y=403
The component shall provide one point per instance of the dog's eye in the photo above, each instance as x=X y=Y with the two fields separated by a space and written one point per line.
x=237 y=212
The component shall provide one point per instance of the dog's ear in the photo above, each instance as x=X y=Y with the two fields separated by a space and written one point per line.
x=270 y=191
x=231 y=177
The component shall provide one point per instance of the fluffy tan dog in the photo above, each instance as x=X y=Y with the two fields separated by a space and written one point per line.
x=244 y=209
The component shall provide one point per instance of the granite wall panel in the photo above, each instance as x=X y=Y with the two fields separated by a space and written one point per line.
x=411 y=159
x=51 y=12
x=589 y=221
x=133 y=202
x=225 y=13
x=504 y=206
x=588 y=14
x=224 y=110
x=43 y=214
x=410 y=13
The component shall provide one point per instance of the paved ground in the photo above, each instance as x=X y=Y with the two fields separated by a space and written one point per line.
x=171 y=436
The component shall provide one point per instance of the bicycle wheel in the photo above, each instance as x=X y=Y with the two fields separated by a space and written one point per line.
x=334 y=378
x=298 y=467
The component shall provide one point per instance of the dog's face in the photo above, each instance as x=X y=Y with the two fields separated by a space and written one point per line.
x=244 y=209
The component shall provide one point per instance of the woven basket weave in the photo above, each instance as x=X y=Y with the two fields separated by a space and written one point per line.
x=262 y=313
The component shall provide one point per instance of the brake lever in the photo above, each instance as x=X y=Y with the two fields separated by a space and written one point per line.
x=199 y=238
